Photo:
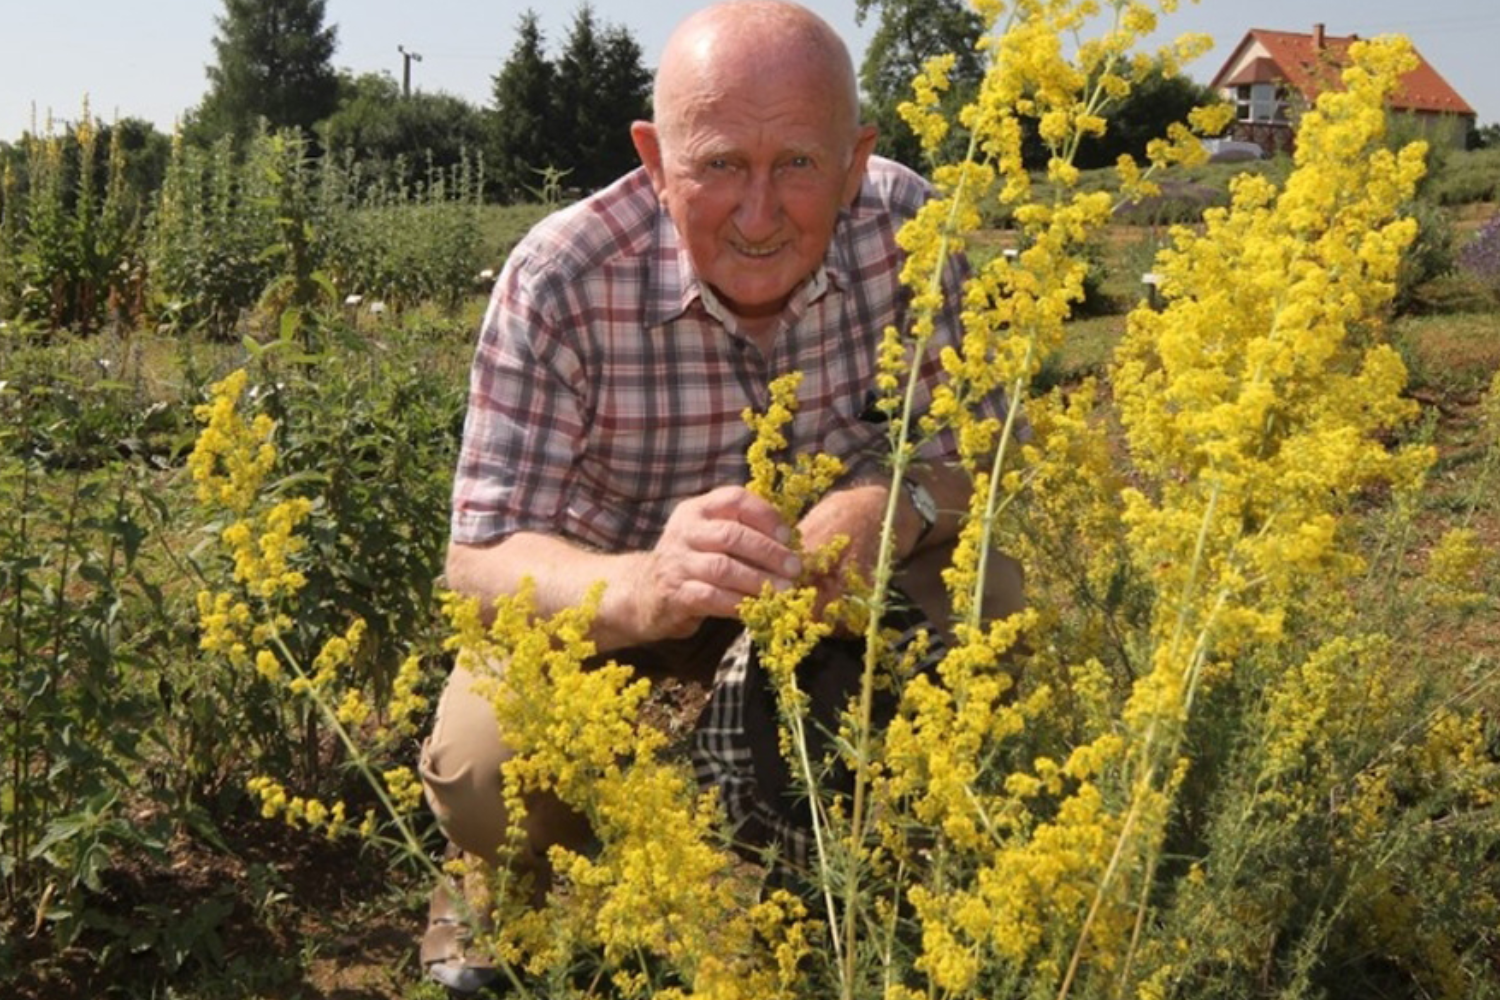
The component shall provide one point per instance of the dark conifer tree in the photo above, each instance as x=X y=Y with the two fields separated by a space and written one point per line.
x=274 y=63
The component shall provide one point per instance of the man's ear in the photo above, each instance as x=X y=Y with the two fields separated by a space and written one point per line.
x=648 y=147
x=864 y=146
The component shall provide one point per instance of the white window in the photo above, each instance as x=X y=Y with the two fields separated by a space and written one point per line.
x=1259 y=102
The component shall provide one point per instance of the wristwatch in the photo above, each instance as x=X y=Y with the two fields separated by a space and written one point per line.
x=923 y=504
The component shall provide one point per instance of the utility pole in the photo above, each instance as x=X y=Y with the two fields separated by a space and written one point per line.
x=407 y=58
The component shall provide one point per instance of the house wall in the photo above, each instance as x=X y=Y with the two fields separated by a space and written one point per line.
x=1442 y=129
x=1269 y=136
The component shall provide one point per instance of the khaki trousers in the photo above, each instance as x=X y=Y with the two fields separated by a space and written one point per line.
x=460 y=760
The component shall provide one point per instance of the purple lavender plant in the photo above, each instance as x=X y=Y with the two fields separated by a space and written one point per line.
x=1480 y=257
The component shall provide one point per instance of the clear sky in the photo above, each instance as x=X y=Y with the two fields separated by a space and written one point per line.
x=147 y=60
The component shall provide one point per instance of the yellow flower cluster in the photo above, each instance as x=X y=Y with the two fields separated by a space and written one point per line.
x=790 y=488
x=922 y=114
x=1453 y=569
x=337 y=652
x=297 y=810
x=231 y=458
x=1249 y=400
x=661 y=885
x=407 y=704
x=1069 y=522
x=1253 y=408
x=230 y=462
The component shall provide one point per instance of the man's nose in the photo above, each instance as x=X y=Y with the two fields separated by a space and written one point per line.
x=759 y=213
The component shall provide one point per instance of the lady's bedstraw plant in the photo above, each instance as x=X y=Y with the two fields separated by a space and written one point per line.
x=1026 y=829
x=250 y=623
x=660 y=907
x=1014 y=312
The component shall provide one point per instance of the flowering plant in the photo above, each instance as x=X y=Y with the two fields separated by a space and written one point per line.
x=247 y=620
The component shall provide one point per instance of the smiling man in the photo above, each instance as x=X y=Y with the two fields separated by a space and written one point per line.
x=755 y=178
x=625 y=337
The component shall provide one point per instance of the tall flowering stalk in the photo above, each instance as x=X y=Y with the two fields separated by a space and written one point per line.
x=1253 y=405
x=1030 y=823
x=248 y=622
x=1014 y=317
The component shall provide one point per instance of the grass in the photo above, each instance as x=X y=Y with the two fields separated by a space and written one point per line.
x=1450 y=359
x=502 y=226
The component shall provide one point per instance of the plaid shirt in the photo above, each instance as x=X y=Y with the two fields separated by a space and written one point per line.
x=607 y=385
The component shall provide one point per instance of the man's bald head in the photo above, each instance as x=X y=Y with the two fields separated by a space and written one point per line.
x=739 y=42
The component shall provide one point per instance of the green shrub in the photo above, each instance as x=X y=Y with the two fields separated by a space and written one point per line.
x=372 y=435
x=405 y=245
x=1430 y=256
x=1468 y=177
x=214 y=222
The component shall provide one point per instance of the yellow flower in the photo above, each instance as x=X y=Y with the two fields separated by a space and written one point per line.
x=1454 y=569
x=267 y=665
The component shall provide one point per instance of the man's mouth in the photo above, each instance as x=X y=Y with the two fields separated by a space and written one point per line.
x=758 y=250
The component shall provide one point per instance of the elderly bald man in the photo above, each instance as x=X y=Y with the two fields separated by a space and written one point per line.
x=604 y=439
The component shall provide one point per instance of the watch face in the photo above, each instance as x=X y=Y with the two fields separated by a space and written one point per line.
x=922 y=501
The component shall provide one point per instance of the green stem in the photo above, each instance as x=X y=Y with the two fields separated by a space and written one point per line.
x=1145 y=783
x=874 y=642
x=992 y=502
x=825 y=881
x=20 y=836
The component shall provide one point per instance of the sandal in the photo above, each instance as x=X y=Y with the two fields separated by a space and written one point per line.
x=444 y=945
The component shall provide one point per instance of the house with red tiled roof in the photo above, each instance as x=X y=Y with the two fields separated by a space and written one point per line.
x=1271 y=76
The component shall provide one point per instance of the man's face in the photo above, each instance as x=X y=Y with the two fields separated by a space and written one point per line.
x=754 y=178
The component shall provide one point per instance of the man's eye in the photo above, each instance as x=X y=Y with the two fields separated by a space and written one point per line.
x=718 y=164
x=800 y=162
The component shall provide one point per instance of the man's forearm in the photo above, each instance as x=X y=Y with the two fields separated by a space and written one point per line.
x=563 y=573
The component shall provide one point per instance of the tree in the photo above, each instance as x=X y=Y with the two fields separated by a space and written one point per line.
x=601 y=89
x=1154 y=102
x=521 y=141
x=572 y=115
x=580 y=72
x=908 y=34
x=379 y=127
x=273 y=63
x=626 y=97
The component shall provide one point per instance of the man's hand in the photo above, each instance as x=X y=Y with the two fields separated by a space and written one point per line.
x=856 y=514
x=715 y=550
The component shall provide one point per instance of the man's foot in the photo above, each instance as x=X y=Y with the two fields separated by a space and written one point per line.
x=446 y=944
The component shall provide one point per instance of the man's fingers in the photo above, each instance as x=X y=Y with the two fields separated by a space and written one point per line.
x=735 y=523
x=735 y=503
x=742 y=546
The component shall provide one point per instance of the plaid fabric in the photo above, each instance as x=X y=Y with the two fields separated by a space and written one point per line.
x=607 y=386
x=736 y=745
